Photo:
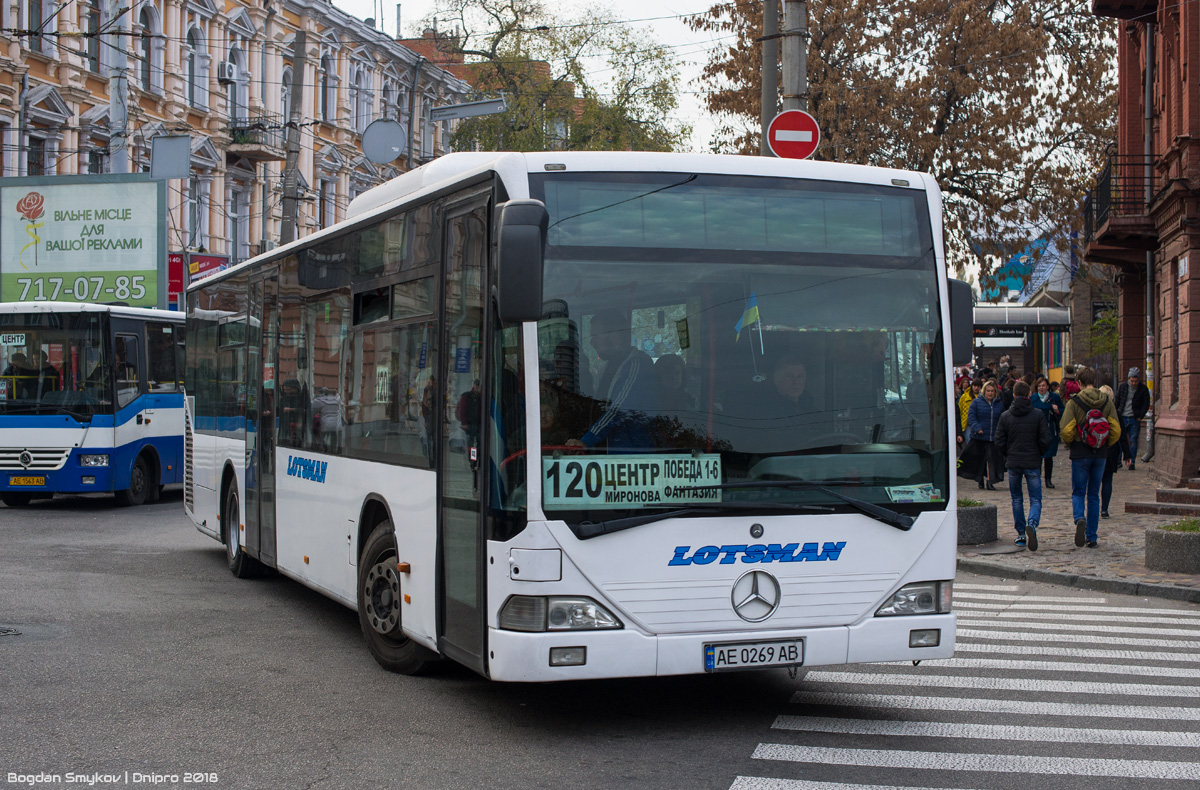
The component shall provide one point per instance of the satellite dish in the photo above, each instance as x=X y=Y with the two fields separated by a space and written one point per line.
x=383 y=141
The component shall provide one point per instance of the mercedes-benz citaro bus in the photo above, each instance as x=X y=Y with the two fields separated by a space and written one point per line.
x=91 y=400
x=582 y=415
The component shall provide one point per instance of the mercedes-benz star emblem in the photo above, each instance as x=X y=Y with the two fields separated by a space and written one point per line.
x=26 y=458
x=755 y=596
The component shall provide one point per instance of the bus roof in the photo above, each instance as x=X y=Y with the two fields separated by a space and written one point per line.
x=514 y=169
x=457 y=166
x=7 y=308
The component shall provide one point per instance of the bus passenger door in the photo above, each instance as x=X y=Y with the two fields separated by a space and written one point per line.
x=460 y=479
x=261 y=341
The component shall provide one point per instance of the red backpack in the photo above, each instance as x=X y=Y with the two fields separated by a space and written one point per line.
x=1094 y=427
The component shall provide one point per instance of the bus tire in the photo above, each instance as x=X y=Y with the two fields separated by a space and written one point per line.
x=139 y=484
x=241 y=564
x=379 y=607
x=16 y=498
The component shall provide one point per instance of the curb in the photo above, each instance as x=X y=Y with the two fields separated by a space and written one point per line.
x=1114 y=586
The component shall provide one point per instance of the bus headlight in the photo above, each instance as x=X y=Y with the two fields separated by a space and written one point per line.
x=918 y=598
x=93 y=460
x=555 y=613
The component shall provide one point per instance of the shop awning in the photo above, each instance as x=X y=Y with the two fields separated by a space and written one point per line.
x=1003 y=320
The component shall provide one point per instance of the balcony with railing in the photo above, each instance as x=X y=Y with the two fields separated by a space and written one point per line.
x=258 y=135
x=1118 y=227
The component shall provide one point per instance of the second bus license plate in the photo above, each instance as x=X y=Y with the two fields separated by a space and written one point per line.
x=752 y=655
x=27 y=481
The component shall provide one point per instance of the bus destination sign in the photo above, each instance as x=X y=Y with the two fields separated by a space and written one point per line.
x=622 y=481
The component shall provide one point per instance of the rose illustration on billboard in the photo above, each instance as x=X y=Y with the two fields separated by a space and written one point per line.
x=31 y=207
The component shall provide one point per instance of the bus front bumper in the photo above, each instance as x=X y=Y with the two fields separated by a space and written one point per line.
x=526 y=657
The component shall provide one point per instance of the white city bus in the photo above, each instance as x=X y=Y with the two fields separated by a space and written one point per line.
x=91 y=400
x=579 y=415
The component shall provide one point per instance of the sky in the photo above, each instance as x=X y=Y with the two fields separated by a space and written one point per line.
x=661 y=17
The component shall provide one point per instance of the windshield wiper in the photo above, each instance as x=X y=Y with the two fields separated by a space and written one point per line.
x=590 y=529
x=890 y=517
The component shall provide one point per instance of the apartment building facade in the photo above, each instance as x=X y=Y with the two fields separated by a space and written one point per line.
x=86 y=85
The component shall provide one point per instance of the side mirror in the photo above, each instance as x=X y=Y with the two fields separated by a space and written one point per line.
x=521 y=251
x=962 y=322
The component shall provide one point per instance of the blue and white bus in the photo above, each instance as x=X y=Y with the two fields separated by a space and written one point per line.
x=91 y=400
x=579 y=415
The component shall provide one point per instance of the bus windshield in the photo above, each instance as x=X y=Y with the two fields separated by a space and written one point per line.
x=702 y=330
x=54 y=363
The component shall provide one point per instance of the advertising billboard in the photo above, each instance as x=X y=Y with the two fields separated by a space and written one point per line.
x=93 y=238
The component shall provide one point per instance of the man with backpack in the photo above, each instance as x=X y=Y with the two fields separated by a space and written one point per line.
x=1089 y=425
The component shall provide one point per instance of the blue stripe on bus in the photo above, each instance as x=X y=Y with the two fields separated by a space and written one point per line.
x=165 y=400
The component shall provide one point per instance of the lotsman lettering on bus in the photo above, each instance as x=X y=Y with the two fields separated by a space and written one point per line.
x=758 y=553
x=307 y=469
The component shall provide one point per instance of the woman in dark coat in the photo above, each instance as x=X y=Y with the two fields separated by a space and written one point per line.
x=981 y=459
x=1048 y=402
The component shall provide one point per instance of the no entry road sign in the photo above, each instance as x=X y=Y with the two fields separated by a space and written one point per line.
x=793 y=134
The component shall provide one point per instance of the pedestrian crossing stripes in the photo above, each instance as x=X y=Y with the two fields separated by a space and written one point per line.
x=1071 y=652
x=1092 y=628
x=1028 y=636
x=1005 y=763
x=1005 y=684
x=1092 y=667
x=1075 y=607
x=990 y=587
x=1041 y=687
x=940 y=729
x=980 y=705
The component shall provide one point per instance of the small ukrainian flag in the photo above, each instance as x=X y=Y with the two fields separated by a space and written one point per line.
x=749 y=315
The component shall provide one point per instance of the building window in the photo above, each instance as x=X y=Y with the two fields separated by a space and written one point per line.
x=285 y=94
x=327 y=203
x=145 y=49
x=98 y=161
x=92 y=27
x=328 y=87
x=35 y=162
x=36 y=20
x=197 y=212
x=235 y=90
x=191 y=67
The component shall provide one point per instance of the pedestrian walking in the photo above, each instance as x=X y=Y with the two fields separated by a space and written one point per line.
x=1132 y=402
x=1070 y=383
x=1112 y=463
x=1022 y=436
x=1048 y=403
x=981 y=460
x=970 y=393
x=1089 y=426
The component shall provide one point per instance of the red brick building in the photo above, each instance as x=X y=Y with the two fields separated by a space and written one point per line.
x=1144 y=217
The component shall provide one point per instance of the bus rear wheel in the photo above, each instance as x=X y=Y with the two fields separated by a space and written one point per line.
x=16 y=498
x=241 y=564
x=379 y=606
x=139 y=484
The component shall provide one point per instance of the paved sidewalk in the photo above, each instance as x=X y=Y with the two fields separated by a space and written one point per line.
x=1117 y=566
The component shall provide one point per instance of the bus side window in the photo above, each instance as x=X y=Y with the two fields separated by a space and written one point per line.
x=126 y=365
x=160 y=347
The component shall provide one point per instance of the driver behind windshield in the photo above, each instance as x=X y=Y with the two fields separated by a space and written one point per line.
x=24 y=380
x=626 y=386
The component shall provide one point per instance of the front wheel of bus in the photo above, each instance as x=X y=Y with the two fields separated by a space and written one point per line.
x=240 y=563
x=139 y=484
x=16 y=498
x=379 y=606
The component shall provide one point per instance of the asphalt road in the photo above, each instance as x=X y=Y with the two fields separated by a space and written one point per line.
x=141 y=659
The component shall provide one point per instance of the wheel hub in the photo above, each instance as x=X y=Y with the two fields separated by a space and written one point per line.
x=382 y=596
